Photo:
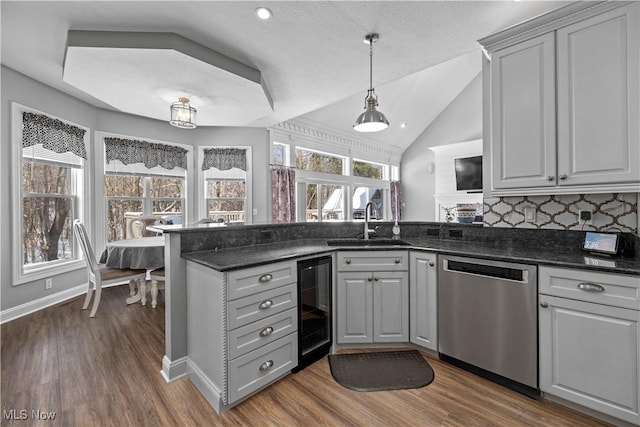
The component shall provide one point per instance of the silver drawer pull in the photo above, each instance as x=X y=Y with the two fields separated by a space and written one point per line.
x=563 y=176
x=348 y=261
x=431 y=263
x=369 y=279
x=397 y=261
x=376 y=278
x=543 y=304
x=266 y=366
x=265 y=278
x=551 y=178
x=266 y=332
x=265 y=304
x=590 y=287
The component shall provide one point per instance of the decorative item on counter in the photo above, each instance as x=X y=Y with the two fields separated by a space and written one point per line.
x=449 y=213
x=396 y=227
x=466 y=212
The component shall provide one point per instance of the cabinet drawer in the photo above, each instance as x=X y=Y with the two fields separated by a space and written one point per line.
x=248 y=281
x=255 y=307
x=257 y=334
x=373 y=260
x=602 y=288
x=254 y=370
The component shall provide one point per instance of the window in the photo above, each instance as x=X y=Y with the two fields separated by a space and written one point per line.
x=362 y=196
x=324 y=202
x=368 y=169
x=315 y=161
x=50 y=156
x=226 y=189
x=142 y=179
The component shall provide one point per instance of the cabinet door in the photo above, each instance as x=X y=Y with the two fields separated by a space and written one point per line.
x=423 y=323
x=598 y=92
x=589 y=355
x=390 y=307
x=355 y=302
x=523 y=130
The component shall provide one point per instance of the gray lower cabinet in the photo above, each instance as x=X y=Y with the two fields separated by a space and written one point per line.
x=423 y=318
x=372 y=303
x=241 y=329
x=589 y=340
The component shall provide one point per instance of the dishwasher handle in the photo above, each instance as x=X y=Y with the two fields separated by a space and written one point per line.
x=487 y=270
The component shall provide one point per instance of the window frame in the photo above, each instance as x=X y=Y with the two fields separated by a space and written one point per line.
x=101 y=203
x=347 y=180
x=201 y=184
x=23 y=273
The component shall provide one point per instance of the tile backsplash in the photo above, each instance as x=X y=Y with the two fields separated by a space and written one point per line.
x=611 y=211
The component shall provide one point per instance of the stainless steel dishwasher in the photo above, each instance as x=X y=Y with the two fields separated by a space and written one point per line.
x=488 y=319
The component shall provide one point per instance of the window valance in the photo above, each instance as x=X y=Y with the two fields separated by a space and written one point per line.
x=53 y=134
x=151 y=154
x=224 y=158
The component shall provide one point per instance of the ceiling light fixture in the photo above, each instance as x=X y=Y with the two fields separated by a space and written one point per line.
x=263 y=13
x=183 y=115
x=371 y=120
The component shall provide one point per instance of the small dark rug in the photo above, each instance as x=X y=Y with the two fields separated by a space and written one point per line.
x=388 y=370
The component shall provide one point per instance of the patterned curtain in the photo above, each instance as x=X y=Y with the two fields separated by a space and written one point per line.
x=283 y=193
x=396 y=200
x=224 y=158
x=151 y=154
x=53 y=134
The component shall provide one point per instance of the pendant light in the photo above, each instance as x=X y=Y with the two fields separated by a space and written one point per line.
x=183 y=115
x=371 y=120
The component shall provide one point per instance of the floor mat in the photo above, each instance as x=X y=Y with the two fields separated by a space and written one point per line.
x=388 y=370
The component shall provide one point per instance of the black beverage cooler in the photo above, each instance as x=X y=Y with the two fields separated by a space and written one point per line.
x=314 y=310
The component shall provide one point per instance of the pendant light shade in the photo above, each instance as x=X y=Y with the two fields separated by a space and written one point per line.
x=183 y=115
x=371 y=120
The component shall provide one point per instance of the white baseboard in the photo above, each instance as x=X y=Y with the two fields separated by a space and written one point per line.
x=35 y=305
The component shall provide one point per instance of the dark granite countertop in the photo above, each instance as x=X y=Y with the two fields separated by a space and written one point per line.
x=249 y=256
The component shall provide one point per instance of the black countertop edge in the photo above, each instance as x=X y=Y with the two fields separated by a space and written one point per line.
x=252 y=256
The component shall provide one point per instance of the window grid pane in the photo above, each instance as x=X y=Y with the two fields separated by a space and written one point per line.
x=47 y=233
x=318 y=162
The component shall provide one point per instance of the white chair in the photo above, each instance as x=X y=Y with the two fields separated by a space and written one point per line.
x=101 y=275
x=157 y=282
x=138 y=226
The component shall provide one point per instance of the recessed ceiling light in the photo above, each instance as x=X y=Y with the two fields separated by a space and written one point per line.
x=263 y=13
x=403 y=125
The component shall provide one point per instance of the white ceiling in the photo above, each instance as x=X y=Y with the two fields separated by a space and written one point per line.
x=311 y=54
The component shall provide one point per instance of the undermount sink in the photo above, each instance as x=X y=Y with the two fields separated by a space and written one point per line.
x=370 y=242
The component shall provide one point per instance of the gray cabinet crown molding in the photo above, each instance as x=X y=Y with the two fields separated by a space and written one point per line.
x=547 y=22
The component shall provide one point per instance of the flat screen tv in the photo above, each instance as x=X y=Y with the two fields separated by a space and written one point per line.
x=469 y=173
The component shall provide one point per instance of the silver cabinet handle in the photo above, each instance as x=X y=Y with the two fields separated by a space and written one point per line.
x=551 y=178
x=348 y=261
x=563 y=176
x=266 y=332
x=265 y=278
x=369 y=279
x=376 y=278
x=544 y=304
x=431 y=263
x=265 y=304
x=397 y=261
x=590 y=287
x=266 y=366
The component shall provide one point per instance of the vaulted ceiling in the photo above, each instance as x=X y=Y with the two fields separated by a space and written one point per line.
x=310 y=57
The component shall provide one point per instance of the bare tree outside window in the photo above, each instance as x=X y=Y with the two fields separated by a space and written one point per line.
x=47 y=212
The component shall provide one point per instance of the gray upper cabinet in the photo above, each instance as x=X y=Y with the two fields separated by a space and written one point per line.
x=523 y=102
x=598 y=115
x=562 y=93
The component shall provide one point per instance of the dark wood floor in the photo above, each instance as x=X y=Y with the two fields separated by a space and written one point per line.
x=105 y=372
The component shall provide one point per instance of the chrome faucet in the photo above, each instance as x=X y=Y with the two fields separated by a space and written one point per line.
x=367 y=230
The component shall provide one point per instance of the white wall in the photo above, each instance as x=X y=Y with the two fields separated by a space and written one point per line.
x=18 y=88
x=460 y=121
